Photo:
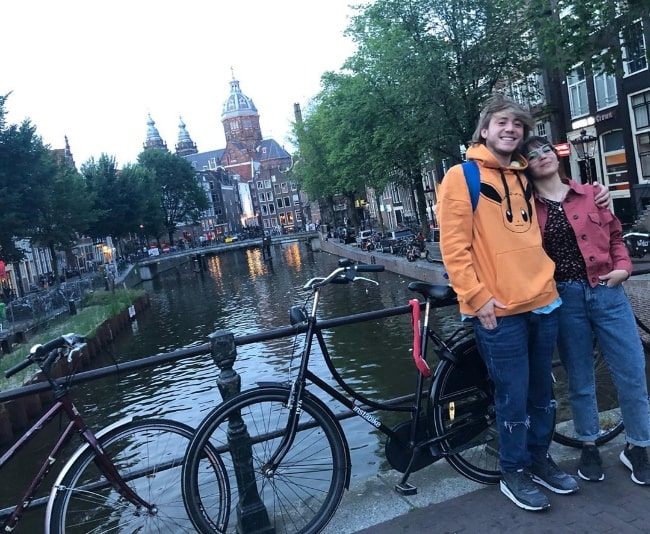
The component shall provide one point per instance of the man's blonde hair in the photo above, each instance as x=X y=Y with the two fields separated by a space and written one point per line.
x=497 y=103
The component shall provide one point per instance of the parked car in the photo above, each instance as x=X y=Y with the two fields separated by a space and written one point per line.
x=363 y=235
x=393 y=237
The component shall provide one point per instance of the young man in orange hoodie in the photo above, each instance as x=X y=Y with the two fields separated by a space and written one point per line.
x=504 y=282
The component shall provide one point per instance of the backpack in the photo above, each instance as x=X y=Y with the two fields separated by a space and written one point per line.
x=473 y=179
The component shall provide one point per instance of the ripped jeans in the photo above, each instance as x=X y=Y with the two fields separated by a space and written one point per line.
x=518 y=354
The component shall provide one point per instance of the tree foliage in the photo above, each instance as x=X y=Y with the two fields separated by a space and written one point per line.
x=121 y=198
x=42 y=199
x=589 y=31
x=179 y=198
x=66 y=210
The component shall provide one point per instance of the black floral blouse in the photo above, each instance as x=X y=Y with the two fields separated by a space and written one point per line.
x=561 y=245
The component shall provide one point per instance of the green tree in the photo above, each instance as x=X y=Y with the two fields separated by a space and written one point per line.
x=179 y=196
x=66 y=211
x=590 y=31
x=25 y=164
x=122 y=198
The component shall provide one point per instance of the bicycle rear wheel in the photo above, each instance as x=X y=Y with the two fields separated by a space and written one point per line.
x=461 y=410
x=148 y=454
x=300 y=495
x=609 y=412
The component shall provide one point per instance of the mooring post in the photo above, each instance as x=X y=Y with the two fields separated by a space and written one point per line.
x=252 y=517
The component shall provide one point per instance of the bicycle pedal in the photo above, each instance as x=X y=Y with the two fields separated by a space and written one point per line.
x=406 y=489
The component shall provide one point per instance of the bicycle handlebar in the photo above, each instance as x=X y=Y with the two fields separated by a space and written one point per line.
x=39 y=352
x=344 y=273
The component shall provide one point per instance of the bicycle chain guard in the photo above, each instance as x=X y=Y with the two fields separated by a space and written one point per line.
x=399 y=455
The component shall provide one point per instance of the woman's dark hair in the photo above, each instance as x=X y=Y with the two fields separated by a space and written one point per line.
x=535 y=141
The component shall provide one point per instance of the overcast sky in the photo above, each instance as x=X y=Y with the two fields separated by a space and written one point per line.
x=93 y=70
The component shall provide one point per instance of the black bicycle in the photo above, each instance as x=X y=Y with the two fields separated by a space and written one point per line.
x=286 y=454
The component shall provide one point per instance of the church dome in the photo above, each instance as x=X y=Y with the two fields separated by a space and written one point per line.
x=237 y=104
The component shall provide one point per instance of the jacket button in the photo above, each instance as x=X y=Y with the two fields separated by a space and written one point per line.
x=583 y=237
x=591 y=258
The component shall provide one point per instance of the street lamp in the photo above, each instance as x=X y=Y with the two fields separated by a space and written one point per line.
x=585 y=146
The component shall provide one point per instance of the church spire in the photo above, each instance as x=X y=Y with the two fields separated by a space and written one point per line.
x=185 y=145
x=153 y=137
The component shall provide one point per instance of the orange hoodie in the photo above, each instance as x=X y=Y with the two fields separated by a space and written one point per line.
x=496 y=250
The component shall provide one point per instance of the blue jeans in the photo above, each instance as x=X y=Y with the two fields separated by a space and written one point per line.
x=518 y=354
x=604 y=312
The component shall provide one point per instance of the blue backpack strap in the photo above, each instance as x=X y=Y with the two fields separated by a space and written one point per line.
x=473 y=179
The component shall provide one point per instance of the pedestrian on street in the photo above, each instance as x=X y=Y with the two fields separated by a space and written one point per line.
x=589 y=272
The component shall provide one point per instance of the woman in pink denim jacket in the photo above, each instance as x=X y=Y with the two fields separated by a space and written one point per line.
x=591 y=262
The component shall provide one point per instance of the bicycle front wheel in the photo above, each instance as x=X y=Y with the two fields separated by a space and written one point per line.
x=148 y=455
x=609 y=411
x=464 y=416
x=301 y=494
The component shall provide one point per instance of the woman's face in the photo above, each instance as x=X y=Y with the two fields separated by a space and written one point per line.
x=542 y=161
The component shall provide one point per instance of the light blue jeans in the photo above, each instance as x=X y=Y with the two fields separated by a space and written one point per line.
x=518 y=354
x=604 y=313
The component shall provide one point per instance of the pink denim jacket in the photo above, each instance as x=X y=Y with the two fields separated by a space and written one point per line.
x=597 y=230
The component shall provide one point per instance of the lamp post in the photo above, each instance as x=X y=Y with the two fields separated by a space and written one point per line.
x=585 y=146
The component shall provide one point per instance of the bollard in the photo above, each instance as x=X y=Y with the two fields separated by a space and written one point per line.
x=72 y=306
x=252 y=516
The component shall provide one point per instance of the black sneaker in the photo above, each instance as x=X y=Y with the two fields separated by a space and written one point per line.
x=519 y=488
x=590 y=466
x=549 y=475
x=636 y=460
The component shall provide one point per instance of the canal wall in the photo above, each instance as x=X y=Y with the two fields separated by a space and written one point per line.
x=16 y=415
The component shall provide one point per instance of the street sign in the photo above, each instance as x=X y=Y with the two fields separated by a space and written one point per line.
x=563 y=149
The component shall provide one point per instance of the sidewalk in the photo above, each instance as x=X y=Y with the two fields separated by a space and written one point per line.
x=447 y=503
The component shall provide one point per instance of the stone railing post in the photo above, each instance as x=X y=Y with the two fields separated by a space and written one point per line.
x=252 y=516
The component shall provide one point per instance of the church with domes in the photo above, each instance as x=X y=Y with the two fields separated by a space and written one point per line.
x=245 y=181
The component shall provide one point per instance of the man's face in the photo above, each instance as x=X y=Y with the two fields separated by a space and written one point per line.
x=503 y=133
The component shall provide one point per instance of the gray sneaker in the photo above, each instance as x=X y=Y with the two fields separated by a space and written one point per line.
x=519 y=488
x=549 y=475
x=591 y=466
x=636 y=460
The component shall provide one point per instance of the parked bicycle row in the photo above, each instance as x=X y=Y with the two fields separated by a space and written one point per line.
x=275 y=457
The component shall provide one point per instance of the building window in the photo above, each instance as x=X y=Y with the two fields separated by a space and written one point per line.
x=279 y=201
x=605 y=88
x=634 y=58
x=641 y=110
x=285 y=189
x=260 y=185
x=267 y=184
x=287 y=202
x=640 y=104
x=643 y=145
x=577 y=86
x=615 y=160
x=541 y=129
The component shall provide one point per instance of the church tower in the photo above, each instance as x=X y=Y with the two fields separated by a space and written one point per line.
x=240 y=119
x=185 y=145
x=153 y=137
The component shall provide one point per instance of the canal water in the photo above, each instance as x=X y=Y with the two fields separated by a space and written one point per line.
x=241 y=292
